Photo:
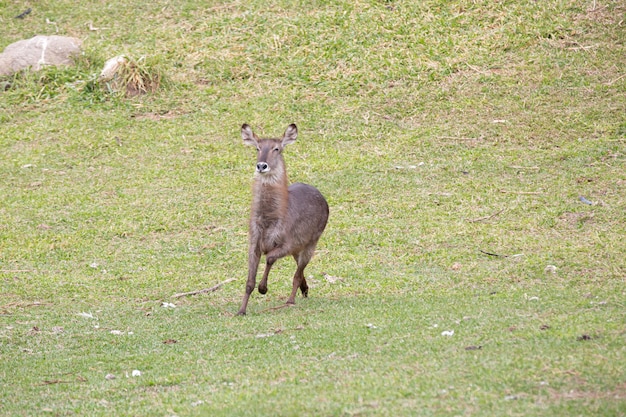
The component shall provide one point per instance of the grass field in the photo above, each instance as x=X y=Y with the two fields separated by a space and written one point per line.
x=463 y=271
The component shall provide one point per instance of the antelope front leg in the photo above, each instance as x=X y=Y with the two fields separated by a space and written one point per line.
x=271 y=257
x=254 y=254
x=263 y=283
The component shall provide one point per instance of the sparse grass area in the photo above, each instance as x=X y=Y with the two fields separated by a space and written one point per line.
x=438 y=131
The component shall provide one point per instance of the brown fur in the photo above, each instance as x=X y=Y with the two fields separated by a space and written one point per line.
x=284 y=220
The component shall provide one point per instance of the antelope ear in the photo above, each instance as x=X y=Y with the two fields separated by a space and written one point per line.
x=248 y=136
x=290 y=135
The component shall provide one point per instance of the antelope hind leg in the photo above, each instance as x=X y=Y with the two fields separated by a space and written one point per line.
x=298 y=282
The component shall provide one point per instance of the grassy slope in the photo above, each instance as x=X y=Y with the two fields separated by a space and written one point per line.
x=416 y=121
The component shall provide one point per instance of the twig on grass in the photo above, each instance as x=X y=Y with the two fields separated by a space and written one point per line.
x=21 y=304
x=24 y=13
x=480 y=219
x=478 y=70
x=522 y=167
x=205 y=290
x=615 y=80
x=522 y=192
x=493 y=254
x=277 y=307
x=458 y=138
x=55 y=381
x=580 y=47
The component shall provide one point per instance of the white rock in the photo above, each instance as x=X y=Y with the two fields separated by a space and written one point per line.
x=110 y=67
x=38 y=52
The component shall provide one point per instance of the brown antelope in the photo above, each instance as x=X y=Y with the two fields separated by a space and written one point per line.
x=285 y=220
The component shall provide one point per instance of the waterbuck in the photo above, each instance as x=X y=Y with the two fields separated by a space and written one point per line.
x=285 y=219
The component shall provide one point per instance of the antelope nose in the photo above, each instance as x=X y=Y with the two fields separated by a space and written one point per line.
x=262 y=167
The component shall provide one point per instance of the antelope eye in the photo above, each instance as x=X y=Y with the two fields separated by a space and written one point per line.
x=276 y=149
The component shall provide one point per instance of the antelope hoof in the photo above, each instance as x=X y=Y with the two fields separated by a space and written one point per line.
x=263 y=289
x=305 y=292
x=241 y=313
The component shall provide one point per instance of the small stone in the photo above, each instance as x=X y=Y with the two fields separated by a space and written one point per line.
x=550 y=269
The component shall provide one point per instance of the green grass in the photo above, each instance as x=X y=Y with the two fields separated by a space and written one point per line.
x=436 y=130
